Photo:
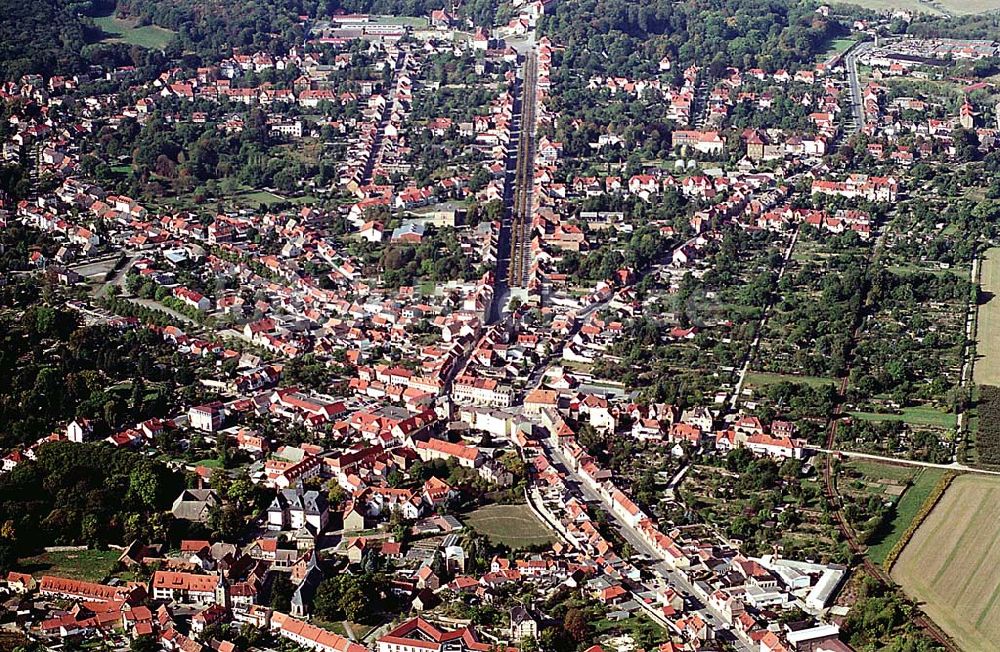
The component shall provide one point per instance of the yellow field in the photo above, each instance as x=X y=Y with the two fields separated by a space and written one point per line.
x=987 y=369
x=952 y=564
x=953 y=7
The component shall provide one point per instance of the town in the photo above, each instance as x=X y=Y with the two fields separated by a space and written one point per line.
x=527 y=326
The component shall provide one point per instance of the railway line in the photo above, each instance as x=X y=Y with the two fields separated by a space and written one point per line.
x=520 y=232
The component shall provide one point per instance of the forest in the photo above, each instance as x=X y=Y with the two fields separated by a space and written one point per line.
x=617 y=37
x=53 y=369
x=83 y=494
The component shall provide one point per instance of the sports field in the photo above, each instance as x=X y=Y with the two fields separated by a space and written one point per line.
x=512 y=525
x=952 y=564
x=987 y=368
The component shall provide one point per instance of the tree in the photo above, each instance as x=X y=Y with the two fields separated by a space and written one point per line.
x=146 y=643
x=966 y=144
x=281 y=592
x=326 y=601
x=335 y=493
x=577 y=625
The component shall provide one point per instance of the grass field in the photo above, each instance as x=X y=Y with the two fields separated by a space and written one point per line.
x=836 y=46
x=763 y=379
x=987 y=367
x=952 y=563
x=512 y=525
x=909 y=504
x=416 y=22
x=89 y=565
x=127 y=31
x=917 y=416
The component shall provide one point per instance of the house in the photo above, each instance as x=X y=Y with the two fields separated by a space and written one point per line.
x=20 y=582
x=522 y=624
x=208 y=417
x=79 y=430
x=189 y=588
x=706 y=142
x=195 y=505
x=207 y=617
x=357 y=548
x=61 y=587
x=418 y=635
x=354 y=519
x=437 y=449
x=372 y=231
x=193 y=299
x=412 y=233
x=295 y=508
x=311 y=637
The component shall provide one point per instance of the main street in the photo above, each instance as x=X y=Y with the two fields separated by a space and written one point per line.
x=857 y=100
x=676 y=579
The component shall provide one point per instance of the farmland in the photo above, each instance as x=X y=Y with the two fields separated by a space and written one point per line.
x=512 y=525
x=987 y=369
x=987 y=433
x=951 y=563
x=128 y=31
x=938 y=7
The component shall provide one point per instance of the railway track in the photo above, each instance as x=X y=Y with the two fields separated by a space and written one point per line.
x=520 y=232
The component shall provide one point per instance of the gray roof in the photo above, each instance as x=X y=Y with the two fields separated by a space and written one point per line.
x=309 y=502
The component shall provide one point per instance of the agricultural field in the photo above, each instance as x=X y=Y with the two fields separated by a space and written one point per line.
x=881 y=500
x=511 y=525
x=987 y=368
x=952 y=563
x=936 y=7
x=88 y=565
x=128 y=31
x=985 y=426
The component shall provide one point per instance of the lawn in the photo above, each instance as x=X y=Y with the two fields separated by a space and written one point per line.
x=916 y=416
x=128 y=31
x=89 y=565
x=987 y=366
x=952 y=563
x=906 y=509
x=878 y=472
x=512 y=525
x=259 y=197
x=417 y=22
x=761 y=379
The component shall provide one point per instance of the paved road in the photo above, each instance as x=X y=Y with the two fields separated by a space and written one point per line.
x=857 y=101
x=673 y=577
